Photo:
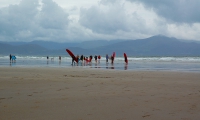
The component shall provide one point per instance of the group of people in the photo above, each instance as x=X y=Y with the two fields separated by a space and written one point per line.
x=111 y=58
x=89 y=59
x=85 y=59
x=79 y=59
x=53 y=58
x=12 y=58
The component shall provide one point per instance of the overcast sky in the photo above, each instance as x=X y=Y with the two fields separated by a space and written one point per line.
x=80 y=20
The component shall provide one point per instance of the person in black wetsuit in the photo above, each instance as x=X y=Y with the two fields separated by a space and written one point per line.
x=72 y=61
x=81 y=58
x=95 y=57
x=10 y=57
x=112 y=59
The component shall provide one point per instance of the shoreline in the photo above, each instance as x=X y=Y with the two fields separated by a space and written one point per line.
x=60 y=93
x=189 y=64
x=103 y=68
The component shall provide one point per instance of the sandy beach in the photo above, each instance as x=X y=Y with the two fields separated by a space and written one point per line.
x=95 y=94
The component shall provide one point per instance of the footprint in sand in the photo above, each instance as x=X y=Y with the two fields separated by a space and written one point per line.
x=2 y=98
x=59 y=89
x=5 y=98
x=146 y=116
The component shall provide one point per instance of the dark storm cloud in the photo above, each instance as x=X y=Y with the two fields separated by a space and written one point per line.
x=184 y=11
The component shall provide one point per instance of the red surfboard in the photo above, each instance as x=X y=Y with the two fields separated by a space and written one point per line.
x=72 y=55
x=114 y=54
x=125 y=58
x=87 y=60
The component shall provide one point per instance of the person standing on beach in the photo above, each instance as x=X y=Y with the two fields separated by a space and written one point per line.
x=90 y=58
x=10 y=57
x=107 y=58
x=99 y=57
x=81 y=58
x=77 y=57
x=112 y=59
x=95 y=57
x=72 y=61
x=13 y=58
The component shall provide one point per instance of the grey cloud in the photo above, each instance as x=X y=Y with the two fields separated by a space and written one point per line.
x=17 y=17
x=26 y=22
x=105 y=2
x=110 y=19
x=104 y=21
x=52 y=16
x=184 y=11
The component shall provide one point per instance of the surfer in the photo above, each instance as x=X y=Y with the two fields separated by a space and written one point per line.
x=99 y=57
x=125 y=59
x=81 y=59
x=90 y=58
x=13 y=58
x=86 y=59
x=10 y=57
x=77 y=57
x=72 y=61
x=107 y=58
x=112 y=59
x=95 y=57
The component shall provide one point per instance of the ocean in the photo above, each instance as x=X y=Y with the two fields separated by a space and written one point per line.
x=189 y=64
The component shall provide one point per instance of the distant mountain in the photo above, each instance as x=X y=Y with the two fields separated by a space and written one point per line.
x=46 y=44
x=153 y=46
x=26 y=49
x=5 y=48
x=96 y=43
x=16 y=43
x=54 y=45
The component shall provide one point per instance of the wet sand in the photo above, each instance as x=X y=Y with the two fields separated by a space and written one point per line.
x=96 y=94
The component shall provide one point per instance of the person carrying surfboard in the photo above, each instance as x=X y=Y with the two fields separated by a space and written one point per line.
x=73 y=61
x=125 y=58
x=13 y=58
x=99 y=57
x=90 y=60
x=72 y=55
